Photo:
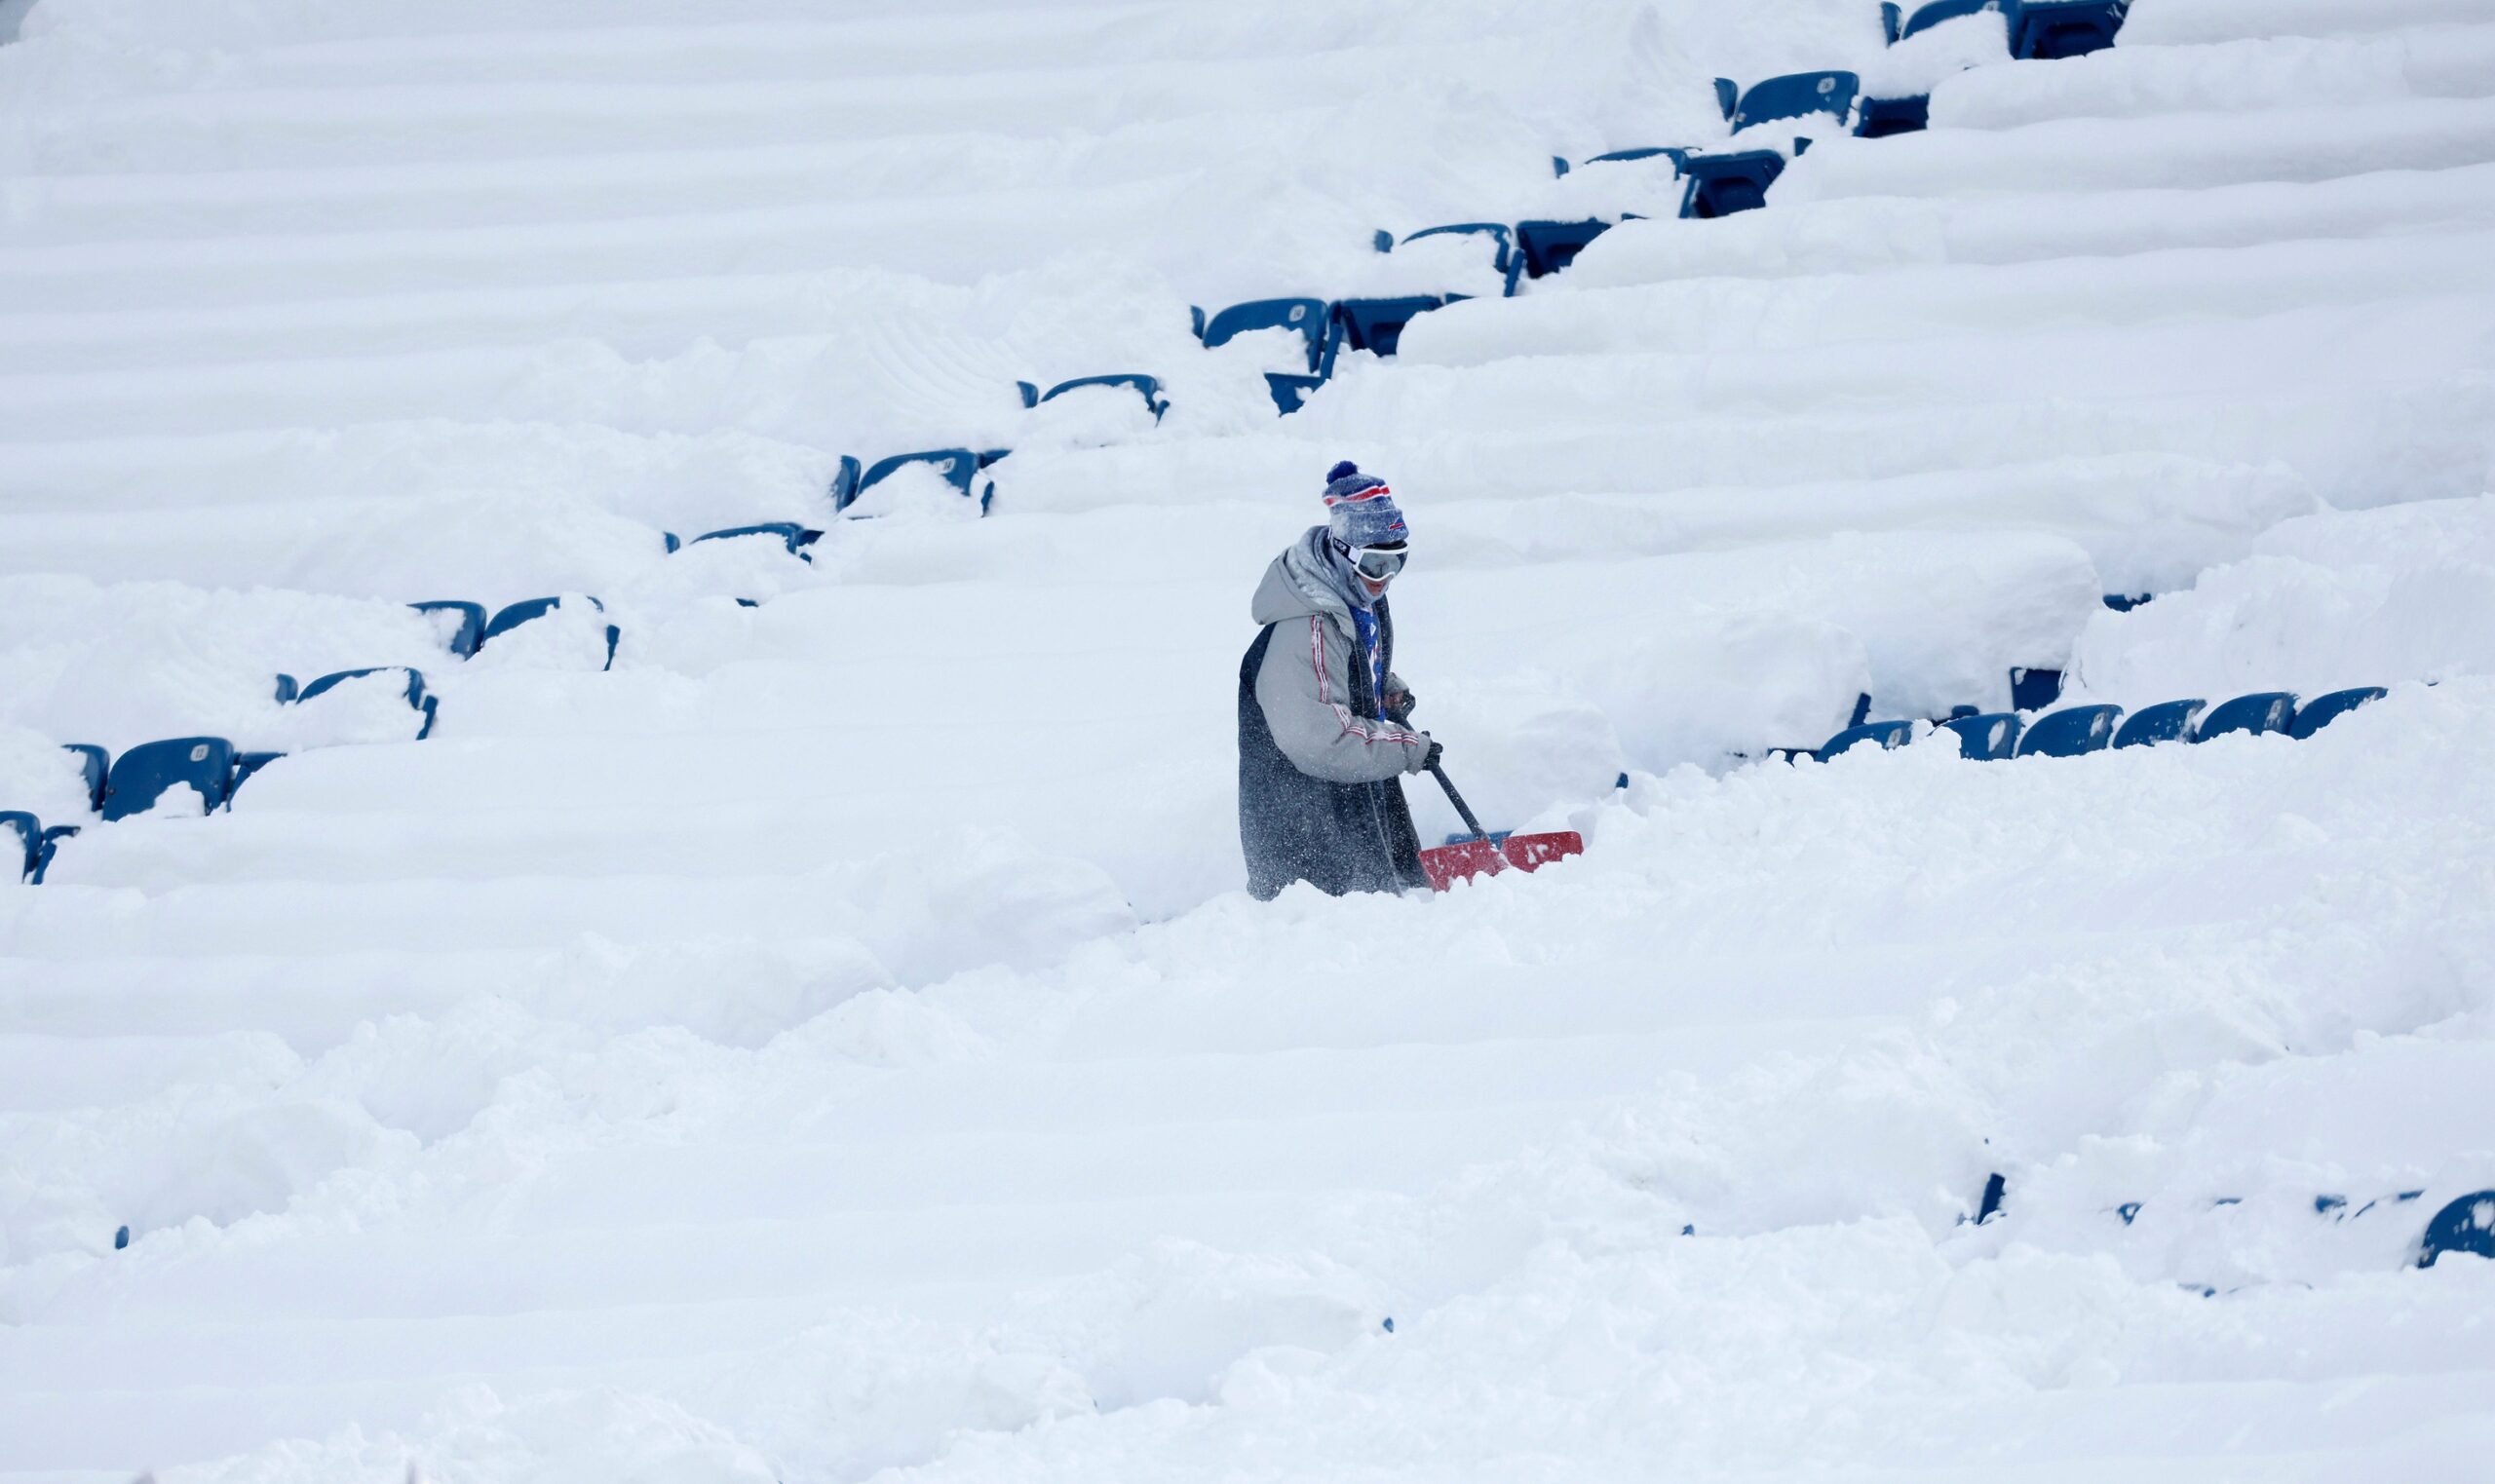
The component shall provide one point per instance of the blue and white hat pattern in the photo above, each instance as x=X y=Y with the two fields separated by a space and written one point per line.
x=1360 y=510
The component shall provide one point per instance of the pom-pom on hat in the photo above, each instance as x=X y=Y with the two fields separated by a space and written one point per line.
x=1360 y=510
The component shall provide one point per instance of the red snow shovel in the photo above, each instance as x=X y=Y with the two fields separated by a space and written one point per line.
x=1481 y=855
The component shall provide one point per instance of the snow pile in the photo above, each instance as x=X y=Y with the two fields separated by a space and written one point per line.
x=831 y=1038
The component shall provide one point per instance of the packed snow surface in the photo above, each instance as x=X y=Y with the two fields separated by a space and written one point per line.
x=832 y=1042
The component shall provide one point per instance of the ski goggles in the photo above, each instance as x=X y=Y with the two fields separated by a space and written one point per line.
x=1376 y=563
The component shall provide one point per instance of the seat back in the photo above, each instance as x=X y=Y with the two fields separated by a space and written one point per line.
x=1147 y=387
x=2253 y=714
x=1925 y=17
x=21 y=843
x=1991 y=737
x=1883 y=117
x=1884 y=735
x=2070 y=732
x=794 y=537
x=424 y=703
x=2165 y=722
x=2321 y=711
x=471 y=629
x=94 y=763
x=1796 y=95
x=956 y=465
x=247 y=763
x=1305 y=315
x=2033 y=690
x=1376 y=325
x=516 y=614
x=2464 y=1225
x=1550 y=246
x=2049 y=30
x=1503 y=258
x=141 y=775
x=844 y=482
x=1736 y=181
x=1291 y=393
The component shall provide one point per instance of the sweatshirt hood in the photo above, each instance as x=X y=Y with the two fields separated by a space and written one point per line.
x=1305 y=579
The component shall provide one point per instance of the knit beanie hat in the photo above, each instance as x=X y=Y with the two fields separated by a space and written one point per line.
x=1361 y=509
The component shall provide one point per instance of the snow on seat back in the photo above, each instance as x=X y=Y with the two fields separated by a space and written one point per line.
x=2049 y=30
x=2165 y=722
x=1988 y=736
x=1305 y=317
x=2323 y=711
x=2069 y=731
x=2256 y=714
x=1796 y=95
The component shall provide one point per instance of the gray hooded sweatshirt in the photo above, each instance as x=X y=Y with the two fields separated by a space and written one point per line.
x=1305 y=683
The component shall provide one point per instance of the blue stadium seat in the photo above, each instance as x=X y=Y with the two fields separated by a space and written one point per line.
x=2047 y=30
x=793 y=536
x=1992 y=738
x=2124 y=602
x=2033 y=690
x=1883 y=117
x=471 y=631
x=1147 y=387
x=247 y=763
x=2321 y=711
x=959 y=465
x=1925 y=17
x=522 y=612
x=424 y=704
x=1550 y=246
x=1376 y=325
x=285 y=688
x=1306 y=317
x=21 y=843
x=1728 y=96
x=1884 y=735
x=2466 y=1225
x=1720 y=185
x=1796 y=95
x=2070 y=732
x=93 y=762
x=1504 y=260
x=844 y=482
x=142 y=775
x=1291 y=393
x=2253 y=714
x=2165 y=722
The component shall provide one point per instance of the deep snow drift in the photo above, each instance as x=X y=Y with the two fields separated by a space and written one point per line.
x=833 y=1040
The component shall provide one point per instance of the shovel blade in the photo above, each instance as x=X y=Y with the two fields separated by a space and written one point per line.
x=1447 y=865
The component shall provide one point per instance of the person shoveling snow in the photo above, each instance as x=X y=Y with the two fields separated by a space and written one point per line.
x=1324 y=734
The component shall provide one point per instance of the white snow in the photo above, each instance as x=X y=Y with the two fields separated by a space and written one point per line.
x=835 y=1040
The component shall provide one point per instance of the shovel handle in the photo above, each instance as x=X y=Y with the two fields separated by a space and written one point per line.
x=1457 y=799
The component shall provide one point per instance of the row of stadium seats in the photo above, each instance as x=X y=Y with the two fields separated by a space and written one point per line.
x=1720 y=184
x=471 y=629
x=1998 y=736
x=134 y=784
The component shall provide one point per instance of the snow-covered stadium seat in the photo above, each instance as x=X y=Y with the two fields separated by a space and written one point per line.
x=1925 y=17
x=792 y=536
x=1796 y=95
x=467 y=633
x=2167 y=721
x=2253 y=714
x=2045 y=30
x=2464 y=1225
x=141 y=775
x=526 y=609
x=1305 y=317
x=1884 y=735
x=1374 y=324
x=2321 y=711
x=2070 y=732
x=2033 y=689
x=424 y=703
x=1881 y=117
x=1550 y=246
x=1721 y=184
x=959 y=465
x=94 y=763
x=1147 y=387
x=1504 y=260
x=1991 y=737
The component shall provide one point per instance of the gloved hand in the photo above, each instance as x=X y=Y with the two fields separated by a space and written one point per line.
x=1430 y=759
x=1398 y=705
